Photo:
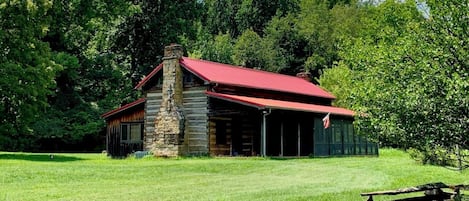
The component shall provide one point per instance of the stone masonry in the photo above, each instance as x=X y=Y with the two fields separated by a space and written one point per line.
x=169 y=123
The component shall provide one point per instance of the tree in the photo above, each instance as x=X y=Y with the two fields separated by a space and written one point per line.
x=446 y=42
x=221 y=16
x=143 y=35
x=408 y=76
x=210 y=47
x=256 y=14
x=80 y=37
x=248 y=51
x=236 y=16
x=26 y=68
x=282 y=36
x=321 y=27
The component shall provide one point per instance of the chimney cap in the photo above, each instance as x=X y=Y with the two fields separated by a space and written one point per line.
x=304 y=75
x=173 y=51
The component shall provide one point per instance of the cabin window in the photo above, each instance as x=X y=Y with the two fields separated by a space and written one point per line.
x=220 y=132
x=131 y=132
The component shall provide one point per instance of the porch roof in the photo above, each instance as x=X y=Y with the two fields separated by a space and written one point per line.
x=262 y=103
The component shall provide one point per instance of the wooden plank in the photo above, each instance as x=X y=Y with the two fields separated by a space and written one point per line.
x=154 y=94
x=197 y=142
x=192 y=94
x=195 y=99
x=194 y=90
x=196 y=121
x=200 y=147
x=195 y=105
x=190 y=102
x=407 y=190
x=198 y=134
x=154 y=100
x=154 y=111
x=424 y=187
x=196 y=126
x=195 y=111
x=199 y=130
x=196 y=115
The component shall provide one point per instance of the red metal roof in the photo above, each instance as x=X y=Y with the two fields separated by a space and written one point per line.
x=245 y=77
x=123 y=108
x=263 y=103
x=214 y=72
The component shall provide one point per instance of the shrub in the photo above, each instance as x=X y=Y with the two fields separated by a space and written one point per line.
x=435 y=155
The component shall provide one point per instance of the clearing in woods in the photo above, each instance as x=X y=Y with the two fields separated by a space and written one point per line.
x=30 y=176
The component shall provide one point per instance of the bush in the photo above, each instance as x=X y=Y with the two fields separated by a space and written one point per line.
x=435 y=156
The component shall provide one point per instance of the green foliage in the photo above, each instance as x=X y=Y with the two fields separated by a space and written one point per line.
x=221 y=16
x=217 y=48
x=408 y=76
x=252 y=51
x=59 y=69
x=26 y=69
x=63 y=63
x=316 y=28
x=256 y=14
x=434 y=156
x=334 y=80
x=286 y=37
x=248 y=50
x=80 y=38
x=235 y=17
x=326 y=27
x=142 y=36
x=282 y=36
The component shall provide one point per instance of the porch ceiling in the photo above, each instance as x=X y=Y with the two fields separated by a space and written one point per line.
x=262 y=103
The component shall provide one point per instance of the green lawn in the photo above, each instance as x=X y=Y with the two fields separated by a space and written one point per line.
x=26 y=176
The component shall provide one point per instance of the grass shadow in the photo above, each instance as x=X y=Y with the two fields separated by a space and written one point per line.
x=39 y=157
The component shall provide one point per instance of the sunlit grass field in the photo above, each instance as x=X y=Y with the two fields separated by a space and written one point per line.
x=29 y=176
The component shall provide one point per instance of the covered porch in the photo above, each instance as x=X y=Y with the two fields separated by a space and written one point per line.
x=266 y=127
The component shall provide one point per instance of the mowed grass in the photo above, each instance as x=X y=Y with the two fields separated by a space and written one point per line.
x=28 y=176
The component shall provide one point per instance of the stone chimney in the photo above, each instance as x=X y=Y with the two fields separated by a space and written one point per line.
x=304 y=75
x=169 y=123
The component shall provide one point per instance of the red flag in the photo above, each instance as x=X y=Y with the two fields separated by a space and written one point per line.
x=325 y=121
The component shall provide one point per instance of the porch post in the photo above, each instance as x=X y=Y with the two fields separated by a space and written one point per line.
x=264 y=132
x=281 y=138
x=108 y=135
x=299 y=139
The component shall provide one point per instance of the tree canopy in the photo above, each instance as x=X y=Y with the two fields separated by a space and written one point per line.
x=402 y=65
x=409 y=76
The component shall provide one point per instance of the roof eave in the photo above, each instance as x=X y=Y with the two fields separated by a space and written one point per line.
x=331 y=97
x=253 y=103
x=123 y=108
x=242 y=102
x=191 y=70
x=144 y=81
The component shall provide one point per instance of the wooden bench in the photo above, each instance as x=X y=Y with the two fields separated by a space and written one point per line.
x=432 y=191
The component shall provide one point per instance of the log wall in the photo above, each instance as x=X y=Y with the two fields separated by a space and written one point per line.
x=152 y=106
x=195 y=113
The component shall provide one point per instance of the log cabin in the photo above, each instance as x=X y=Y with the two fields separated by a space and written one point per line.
x=198 y=107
